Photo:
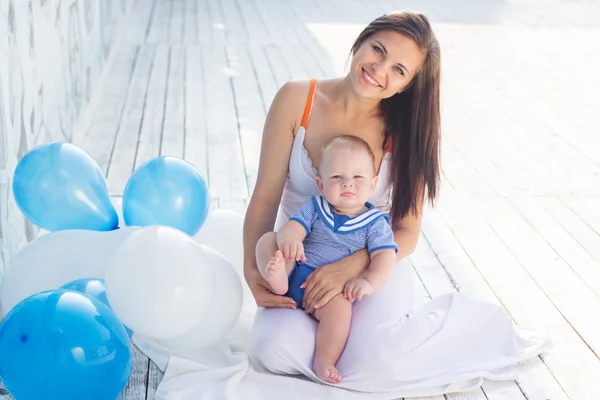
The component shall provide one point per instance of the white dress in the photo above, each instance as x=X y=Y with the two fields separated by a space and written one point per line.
x=448 y=345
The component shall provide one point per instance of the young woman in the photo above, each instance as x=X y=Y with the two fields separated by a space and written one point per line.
x=390 y=99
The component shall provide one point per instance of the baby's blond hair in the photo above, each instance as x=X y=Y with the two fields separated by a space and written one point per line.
x=344 y=142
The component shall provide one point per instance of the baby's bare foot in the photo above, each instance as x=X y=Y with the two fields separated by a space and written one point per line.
x=276 y=274
x=326 y=371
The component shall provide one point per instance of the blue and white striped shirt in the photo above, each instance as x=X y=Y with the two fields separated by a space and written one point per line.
x=331 y=236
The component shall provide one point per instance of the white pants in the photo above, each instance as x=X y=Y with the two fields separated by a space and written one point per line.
x=449 y=344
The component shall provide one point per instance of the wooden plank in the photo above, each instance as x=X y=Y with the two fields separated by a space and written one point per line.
x=486 y=168
x=573 y=174
x=136 y=388
x=571 y=361
x=226 y=172
x=148 y=146
x=195 y=149
x=270 y=28
x=431 y=271
x=254 y=25
x=173 y=132
x=586 y=268
x=560 y=283
x=472 y=149
x=426 y=398
x=261 y=68
x=438 y=281
x=572 y=223
x=535 y=379
x=139 y=22
x=160 y=23
x=4 y=395
x=587 y=145
x=464 y=177
x=278 y=67
x=356 y=13
x=475 y=135
x=283 y=53
x=234 y=33
x=471 y=395
x=312 y=53
x=272 y=51
x=154 y=378
x=98 y=139
x=422 y=295
x=292 y=50
x=176 y=22
x=587 y=208
x=122 y=157
x=205 y=28
x=190 y=27
x=537 y=382
x=246 y=97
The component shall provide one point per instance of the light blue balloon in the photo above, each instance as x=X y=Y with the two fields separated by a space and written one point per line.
x=59 y=186
x=92 y=287
x=60 y=344
x=166 y=191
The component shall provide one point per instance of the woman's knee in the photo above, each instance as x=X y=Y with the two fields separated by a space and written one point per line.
x=269 y=350
x=282 y=339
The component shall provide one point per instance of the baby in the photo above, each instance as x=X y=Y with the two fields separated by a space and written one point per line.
x=326 y=229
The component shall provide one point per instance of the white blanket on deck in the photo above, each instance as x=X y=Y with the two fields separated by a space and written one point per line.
x=227 y=371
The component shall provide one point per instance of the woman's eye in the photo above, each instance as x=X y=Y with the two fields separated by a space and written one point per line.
x=399 y=70
x=377 y=49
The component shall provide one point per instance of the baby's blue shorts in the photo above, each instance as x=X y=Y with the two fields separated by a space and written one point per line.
x=297 y=277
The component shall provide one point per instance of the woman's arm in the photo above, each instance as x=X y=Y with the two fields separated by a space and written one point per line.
x=278 y=136
x=324 y=283
x=328 y=281
x=407 y=230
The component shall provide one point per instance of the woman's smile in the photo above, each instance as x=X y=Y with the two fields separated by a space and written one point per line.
x=368 y=78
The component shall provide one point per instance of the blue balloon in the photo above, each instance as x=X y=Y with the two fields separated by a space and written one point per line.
x=59 y=186
x=166 y=191
x=94 y=288
x=60 y=344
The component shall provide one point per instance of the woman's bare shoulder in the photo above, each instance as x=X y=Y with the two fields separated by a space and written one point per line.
x=295 y=91
x=290 y=100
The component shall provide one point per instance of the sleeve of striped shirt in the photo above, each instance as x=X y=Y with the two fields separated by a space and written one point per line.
x=306 y=216
x=380 y=236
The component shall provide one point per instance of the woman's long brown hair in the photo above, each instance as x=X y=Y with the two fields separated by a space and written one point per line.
x=412 y=117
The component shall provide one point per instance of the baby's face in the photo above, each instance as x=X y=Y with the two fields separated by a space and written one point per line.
x=347 y=177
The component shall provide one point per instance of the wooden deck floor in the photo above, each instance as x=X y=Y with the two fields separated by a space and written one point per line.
x=518 y=221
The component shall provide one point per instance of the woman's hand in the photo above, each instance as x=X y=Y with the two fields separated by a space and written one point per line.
x=329 y=280
x=262 y=293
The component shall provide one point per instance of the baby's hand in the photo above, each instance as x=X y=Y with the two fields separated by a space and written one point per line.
x=292 y=250
x=356 y=289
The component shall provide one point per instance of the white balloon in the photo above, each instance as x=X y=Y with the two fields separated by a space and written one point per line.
x=223 y=231
x=56 y=258
x=159 y=282
x=223 y=311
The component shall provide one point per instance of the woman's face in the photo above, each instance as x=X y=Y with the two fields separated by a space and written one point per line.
x=384 y=64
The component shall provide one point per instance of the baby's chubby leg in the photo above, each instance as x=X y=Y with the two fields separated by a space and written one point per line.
x=271 y=263
x=332 y=333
